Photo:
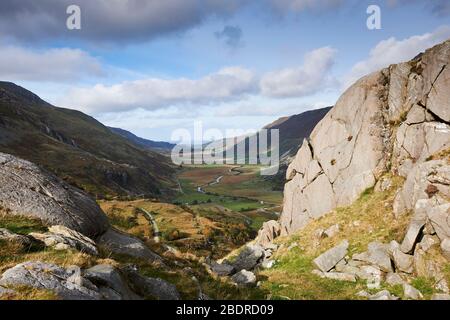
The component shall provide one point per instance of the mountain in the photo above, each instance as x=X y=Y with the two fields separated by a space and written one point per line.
x=78 y=148
x=143 y=143
x=295 y=128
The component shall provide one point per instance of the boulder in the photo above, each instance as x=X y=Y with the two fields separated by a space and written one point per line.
x=124 y=244
x=409 y=292
x=403 y=262
x=269 y=231
x=150 y=287
x=221 y=269
x=249 y=258
x=244 y=277
x=378 y=255
x=26 y=189
x=51 y=277
x=60 y=237
x=412 y=235
x=110 y=282
x=328 y=260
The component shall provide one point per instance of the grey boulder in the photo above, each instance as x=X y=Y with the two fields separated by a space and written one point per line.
x=26 y=189
x=249 y=257
x=328 y=260
x=124 y=244
x=244 y=277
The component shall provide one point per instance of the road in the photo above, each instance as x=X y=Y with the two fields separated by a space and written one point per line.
x=156 y=232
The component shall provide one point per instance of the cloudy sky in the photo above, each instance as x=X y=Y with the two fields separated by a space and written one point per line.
x=158 y=65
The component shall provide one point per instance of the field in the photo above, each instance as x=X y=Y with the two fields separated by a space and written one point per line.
x=238 y=188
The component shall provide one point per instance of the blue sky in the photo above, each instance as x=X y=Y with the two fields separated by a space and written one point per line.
x=155 y=66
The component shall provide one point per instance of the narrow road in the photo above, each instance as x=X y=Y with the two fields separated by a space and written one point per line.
x=156 y=232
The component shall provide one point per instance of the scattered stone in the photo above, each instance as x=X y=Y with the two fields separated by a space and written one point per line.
x=394 y=279
x=249 y=258
x=328 y=260
x=46 y=276
x=244 y=277
x=409 y=292
x=62 y=238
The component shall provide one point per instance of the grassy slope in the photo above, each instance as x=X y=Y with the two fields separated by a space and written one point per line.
x=180 y=269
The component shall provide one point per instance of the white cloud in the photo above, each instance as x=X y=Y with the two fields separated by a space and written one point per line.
x=155 y=93
x=314 y=75
x=392 y=51
x=63 y=64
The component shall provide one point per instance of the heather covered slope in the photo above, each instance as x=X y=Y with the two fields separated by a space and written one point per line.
x=77 y=147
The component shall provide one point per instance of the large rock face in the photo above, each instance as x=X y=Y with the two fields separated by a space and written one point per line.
x=396 y=119
x=25 y=189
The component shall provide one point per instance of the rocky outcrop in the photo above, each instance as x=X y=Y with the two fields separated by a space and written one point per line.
x=50 y=277
x=101 y=282
x=27 y=190
x=392 y=120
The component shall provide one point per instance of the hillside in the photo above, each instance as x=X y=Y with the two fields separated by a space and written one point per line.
x=77 y=147
x=294 y=129
x=143 y=143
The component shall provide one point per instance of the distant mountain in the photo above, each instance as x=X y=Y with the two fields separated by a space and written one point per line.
x=141 y=142
x=77 y=147
x=295 y=128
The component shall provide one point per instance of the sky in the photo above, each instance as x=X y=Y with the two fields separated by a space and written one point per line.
x=155 y=66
